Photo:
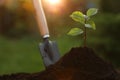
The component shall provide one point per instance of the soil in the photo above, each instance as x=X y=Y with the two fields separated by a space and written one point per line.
x=78 y=64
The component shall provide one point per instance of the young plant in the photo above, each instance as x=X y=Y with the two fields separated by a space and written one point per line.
x=84 y=20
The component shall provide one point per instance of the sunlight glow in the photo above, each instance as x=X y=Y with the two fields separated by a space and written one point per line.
x=54 y=6
x=53 y=2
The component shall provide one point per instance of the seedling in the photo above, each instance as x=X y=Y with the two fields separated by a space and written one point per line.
x=85 y=20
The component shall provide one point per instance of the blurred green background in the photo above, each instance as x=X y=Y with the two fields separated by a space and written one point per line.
x=19 y=34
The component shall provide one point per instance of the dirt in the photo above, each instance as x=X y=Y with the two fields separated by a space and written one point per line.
x=78 y=64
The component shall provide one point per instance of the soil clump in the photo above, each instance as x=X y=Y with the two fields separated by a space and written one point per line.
x=79 y=63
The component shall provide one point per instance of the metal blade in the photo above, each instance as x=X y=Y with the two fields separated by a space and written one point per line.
x=49 y=52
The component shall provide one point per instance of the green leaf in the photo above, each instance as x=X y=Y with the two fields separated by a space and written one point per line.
x=75 y=32
x=78 y=17
x=91 y=12
x=90 y=24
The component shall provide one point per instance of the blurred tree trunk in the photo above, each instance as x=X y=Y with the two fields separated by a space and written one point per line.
x=6 y=20
x=18 y=21
x=110 y=6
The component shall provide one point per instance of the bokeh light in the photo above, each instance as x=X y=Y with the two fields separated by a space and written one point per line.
x=54 y=6
x=53 y=2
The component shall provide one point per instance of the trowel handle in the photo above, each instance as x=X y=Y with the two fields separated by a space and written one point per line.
x=41 y=19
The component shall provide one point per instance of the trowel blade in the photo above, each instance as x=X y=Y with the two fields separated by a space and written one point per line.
x=49 y=52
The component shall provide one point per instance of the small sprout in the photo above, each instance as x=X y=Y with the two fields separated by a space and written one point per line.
x=86 y=17
x=91 y=12
x=78 y=17
x=90 y=24
x=84 y=20
x=75 y=31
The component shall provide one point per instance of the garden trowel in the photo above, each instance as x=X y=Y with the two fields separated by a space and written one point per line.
x=48 y=49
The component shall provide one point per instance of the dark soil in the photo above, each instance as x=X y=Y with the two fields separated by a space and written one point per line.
x=77 y=64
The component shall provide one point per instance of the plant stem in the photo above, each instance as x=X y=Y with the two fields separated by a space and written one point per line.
x=85 y=35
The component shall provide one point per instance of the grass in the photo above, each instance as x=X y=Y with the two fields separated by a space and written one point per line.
x=19 y=56
x=22 y=55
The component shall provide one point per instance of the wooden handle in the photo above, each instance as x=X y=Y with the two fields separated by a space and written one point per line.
x=41 y=19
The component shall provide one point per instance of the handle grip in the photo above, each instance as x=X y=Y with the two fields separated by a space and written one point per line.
x=41 y=19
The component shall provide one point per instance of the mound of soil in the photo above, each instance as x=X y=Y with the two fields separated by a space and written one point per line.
x=78 y=64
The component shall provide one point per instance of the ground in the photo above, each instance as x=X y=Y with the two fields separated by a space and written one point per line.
x=80 y=63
